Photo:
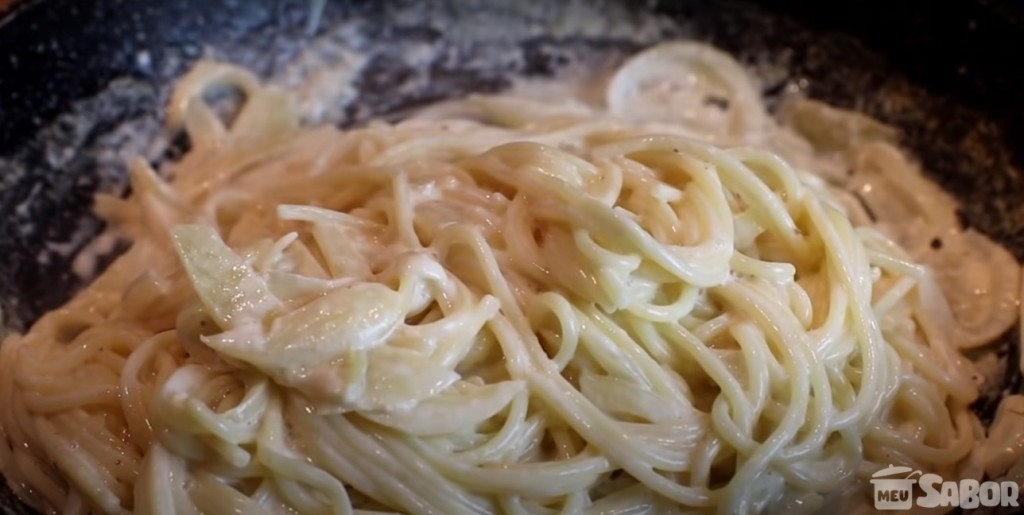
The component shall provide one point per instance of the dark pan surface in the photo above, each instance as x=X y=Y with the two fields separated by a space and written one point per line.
x=82 y=84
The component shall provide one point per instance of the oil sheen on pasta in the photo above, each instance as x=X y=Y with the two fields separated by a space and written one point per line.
x=661 y=301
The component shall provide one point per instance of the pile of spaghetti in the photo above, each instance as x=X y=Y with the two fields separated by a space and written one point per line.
x=529 y=308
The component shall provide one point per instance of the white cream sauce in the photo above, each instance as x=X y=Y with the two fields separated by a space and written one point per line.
x=981 y=280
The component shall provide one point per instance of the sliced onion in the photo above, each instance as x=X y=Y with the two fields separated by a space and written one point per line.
x=1004 y=445
x=981 y=281
x=689 y=83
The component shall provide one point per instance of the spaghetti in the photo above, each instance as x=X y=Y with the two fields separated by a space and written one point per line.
x=534 y=308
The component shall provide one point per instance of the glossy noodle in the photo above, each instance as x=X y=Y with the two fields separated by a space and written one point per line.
x=670 y=303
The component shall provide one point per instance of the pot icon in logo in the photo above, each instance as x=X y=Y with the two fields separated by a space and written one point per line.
x=894 y=488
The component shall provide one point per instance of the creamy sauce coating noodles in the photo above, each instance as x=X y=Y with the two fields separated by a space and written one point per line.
x=659 y=300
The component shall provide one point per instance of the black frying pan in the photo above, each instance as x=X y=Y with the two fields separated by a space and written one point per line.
x=83 y=82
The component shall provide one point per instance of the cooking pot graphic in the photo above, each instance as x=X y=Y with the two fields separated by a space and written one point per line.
x=894 y=487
